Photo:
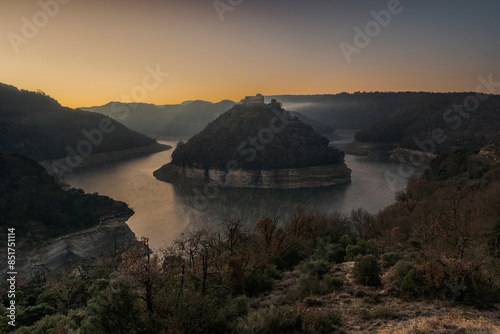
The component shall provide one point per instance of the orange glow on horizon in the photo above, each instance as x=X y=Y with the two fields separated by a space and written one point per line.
x=93 y=52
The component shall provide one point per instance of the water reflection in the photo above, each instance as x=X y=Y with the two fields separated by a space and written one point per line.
x=163 y=211
x=250 y=205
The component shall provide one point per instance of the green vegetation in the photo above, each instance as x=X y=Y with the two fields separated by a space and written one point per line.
x=37 y=126
x=35 y=204
x=414 y=127
x=229 y=138
x=350 y=111
x=367 y=270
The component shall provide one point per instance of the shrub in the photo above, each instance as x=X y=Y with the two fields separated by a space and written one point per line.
x=318 y=321
x=361 y=248
x=289 y=259
x=52 y=324
x=331 y=252
x=270 y=320
x=258 y=282
x=318 y=267
x=333 y=283
x=494 y=239
x=390 y=259
x=314 y=279
x=32 y=314
x=367 y=270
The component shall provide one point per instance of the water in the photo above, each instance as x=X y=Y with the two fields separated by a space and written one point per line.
x=163 y=211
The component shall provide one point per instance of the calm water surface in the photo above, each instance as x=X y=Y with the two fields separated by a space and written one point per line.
x=163 y=211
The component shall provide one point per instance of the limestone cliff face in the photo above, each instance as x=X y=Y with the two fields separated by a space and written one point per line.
x=111 y=236
x=290 y=178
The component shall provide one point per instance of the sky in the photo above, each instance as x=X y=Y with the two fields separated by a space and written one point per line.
x=90 y=52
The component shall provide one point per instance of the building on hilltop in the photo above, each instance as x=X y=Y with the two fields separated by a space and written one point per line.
x=257 y=99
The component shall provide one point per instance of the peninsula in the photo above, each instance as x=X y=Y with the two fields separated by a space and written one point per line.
x=257 y=145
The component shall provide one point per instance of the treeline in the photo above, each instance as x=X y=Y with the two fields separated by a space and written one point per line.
x=36 y=205
x=35 y=125
x=238 y=135
x=445 y=113
x=350 y=110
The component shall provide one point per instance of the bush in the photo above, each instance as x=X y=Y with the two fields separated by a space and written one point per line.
x=270 y=320
x=361 y=248
x=318 y=267
x=258 y=282
x=320 y=321
x=32 y=314
x=406 y=277
x=333 y=283
x=390 y=259
x=367 y=270
x=314 y=279
x=331 y=252
x=289 y=259
x=52 y=324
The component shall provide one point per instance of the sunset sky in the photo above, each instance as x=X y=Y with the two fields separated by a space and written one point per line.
x=90 y=52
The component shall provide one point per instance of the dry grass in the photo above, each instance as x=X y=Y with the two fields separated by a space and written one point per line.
x=447 y=323
x=374 y=310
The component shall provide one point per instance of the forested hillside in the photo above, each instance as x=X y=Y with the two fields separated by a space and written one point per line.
x=292 y=144
x=37 y=126
x=349 y=111
x=37 y=206
x=441 y=118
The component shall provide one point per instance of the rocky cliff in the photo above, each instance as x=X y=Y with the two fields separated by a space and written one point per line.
x=289 y=178
x=107 y=239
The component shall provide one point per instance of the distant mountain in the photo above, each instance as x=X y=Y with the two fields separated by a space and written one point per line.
x=348 y=111
x=35 y=125
x=323 y=112
x=439 y=122
x=36 y=205
x=229 y=138
x=182 y=120
x=185 y=119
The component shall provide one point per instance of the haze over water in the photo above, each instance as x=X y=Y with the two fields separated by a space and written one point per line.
x=163 y=211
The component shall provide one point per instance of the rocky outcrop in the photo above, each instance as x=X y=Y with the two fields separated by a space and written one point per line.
x=107 y=239
x=290 y=178
x=414 y=157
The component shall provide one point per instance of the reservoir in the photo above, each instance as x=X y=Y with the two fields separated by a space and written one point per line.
x=163 y=211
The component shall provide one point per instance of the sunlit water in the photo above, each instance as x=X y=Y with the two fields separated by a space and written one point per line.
x=163 y=211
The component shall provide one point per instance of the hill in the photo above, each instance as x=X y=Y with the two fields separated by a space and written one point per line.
x=35 y=125
x=438 y=122
x=184 y=119
x=36 y=205
x=323 y=112
x=229 y=138
x=349 y=111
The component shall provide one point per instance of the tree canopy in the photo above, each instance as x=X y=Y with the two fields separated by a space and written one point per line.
x=257 y=137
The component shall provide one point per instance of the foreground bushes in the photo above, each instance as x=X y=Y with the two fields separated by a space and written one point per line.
x=367 y=270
